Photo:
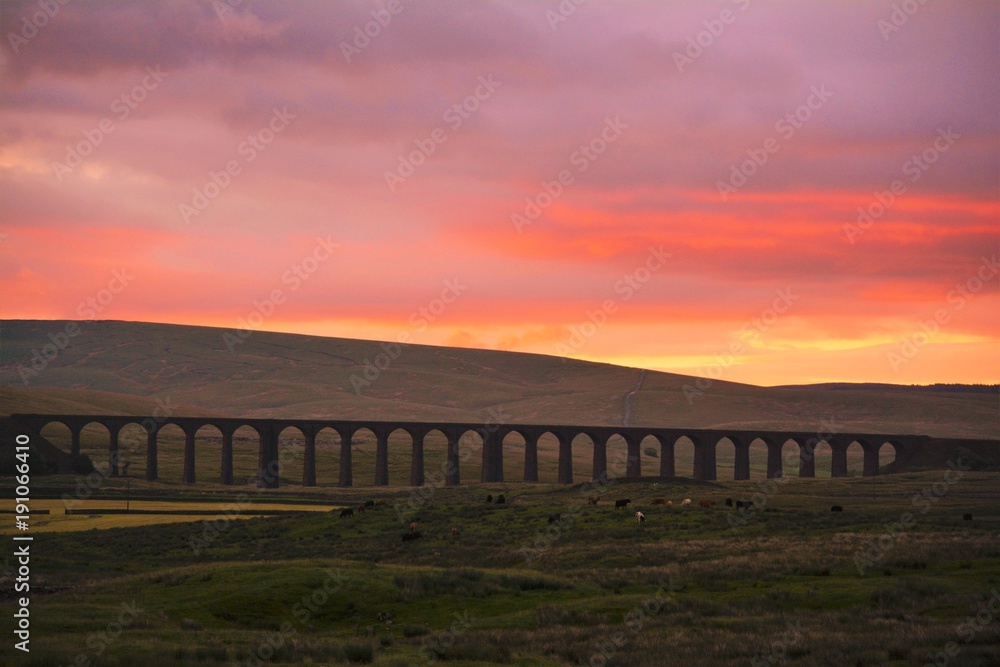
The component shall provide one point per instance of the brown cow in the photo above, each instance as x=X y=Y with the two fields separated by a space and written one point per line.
x=413 y=527
x=593 y=500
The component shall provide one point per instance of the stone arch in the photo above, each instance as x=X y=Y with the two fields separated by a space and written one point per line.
x=822 y=457
x=170 y=442
x=59 y=434
x=548 y=446
x=515 y=454
x=291 y=453
x=364 y=442
x=327 y=455
x=246 y=444
x=209 y=461
x=133 y=438
x=400 y=445
x=650 y=450
x=437 y=470
x=855 y=454
x=684 y=447
x=881 y=462
x=758 y=450
x=783 y=454
x=470 y=447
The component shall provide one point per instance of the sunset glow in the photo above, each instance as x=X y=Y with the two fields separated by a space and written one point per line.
x=812 y=197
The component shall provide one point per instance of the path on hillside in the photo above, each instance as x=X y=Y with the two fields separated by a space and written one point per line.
x=628 y=398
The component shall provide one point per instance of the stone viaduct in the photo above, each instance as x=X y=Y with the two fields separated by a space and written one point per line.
x=492 y=435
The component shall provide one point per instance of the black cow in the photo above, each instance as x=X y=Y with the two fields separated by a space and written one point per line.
x=489 y=498
x=346 y=512
x=501 y=500
x=967 y=516
x=729 y=502
x=836 y=508
x=623 y=503
x=554 y=517
x=744 y=504
x=409 y=537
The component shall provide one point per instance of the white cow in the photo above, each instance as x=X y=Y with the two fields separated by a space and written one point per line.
x=640 y=517
x=687 y=501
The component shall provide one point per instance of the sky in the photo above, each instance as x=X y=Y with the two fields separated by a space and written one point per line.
x=762 y=192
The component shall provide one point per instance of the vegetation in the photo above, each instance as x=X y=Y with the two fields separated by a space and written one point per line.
x=788 y=582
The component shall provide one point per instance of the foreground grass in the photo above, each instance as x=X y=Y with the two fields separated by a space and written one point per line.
x=777 y=585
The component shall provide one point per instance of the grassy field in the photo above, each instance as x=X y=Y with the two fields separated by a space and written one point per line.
x=546 y=579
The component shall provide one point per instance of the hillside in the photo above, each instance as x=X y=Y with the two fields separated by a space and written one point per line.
x=128 y=367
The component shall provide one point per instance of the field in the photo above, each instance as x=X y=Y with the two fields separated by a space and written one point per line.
x=890 y=580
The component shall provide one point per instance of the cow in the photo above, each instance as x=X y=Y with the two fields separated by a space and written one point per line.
x=670 y=503
x=501 y=500
x=489 y=498
x=687 y=501
x=361 y=509
x=346 y=512
x=729 y=502
x=836 y=508
x=369 y=503
x=454 y=532
x=413 y=527
x=659 y=501
x=641 y=518
x=967 y=516
x=409 y=537
x=623 y=503
x=593 y=500
x=553 y=518
x=744 y=504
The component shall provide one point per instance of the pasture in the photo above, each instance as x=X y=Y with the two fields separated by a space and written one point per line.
x=785 y=582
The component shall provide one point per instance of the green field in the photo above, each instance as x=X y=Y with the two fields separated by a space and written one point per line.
x=717 y=587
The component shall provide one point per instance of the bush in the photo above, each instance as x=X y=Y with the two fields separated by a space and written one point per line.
x=362 y=653
x=651 y=451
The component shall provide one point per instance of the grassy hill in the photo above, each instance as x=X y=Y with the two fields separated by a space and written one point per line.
x=125 y=367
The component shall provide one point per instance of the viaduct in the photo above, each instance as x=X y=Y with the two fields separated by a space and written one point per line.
x=492 y=435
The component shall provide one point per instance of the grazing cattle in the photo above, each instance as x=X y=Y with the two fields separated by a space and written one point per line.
x=967 y=516
x=489 y=498
x=369 y=503
x=670 y=503
x=641 y=518
x=346 y=512
x=836 y=508
x=454 y=532
x=385 y=616
x=554 y=517
x=501 y=500
x=592 y=500
x=729 y=502
x=361 y=509
x=659 y=501
x=706 y=503
x=744 y=504
x=687 y=501
x=409 y=537
x=413 y=527
x=623 y=503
